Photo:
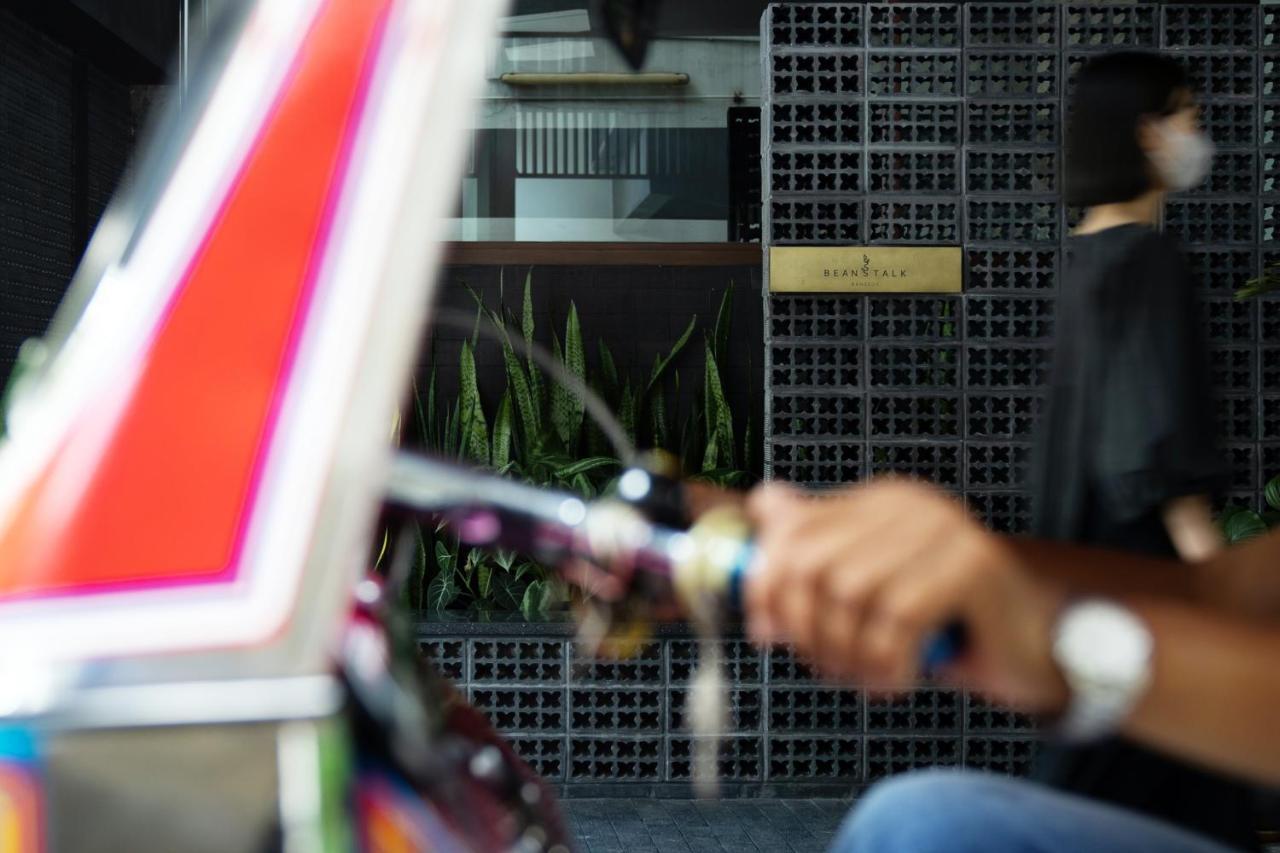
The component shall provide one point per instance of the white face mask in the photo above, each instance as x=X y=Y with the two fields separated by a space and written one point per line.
x=1184 y=158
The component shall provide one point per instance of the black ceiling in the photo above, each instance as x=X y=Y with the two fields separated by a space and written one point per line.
x=675 y=17
x=134 y=40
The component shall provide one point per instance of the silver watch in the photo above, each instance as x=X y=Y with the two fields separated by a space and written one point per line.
x=1104 y=651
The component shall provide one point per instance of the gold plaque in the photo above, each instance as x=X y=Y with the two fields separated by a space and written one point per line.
x=865 y=269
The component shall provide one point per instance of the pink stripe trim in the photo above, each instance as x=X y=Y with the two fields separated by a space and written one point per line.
x=338 y=181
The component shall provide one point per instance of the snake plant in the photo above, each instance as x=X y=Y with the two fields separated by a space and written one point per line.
x=537 y=430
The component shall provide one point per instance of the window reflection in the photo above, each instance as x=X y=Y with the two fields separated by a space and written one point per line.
x=585 y=160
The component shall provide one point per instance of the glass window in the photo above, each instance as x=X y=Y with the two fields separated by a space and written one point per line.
x=595 y=153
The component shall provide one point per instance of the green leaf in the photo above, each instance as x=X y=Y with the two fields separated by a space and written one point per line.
x=534 y=602
x=419 y=414
x=526 y=406
x=452 y=443
x=537 y=385
x=420 y=567
x=1268 y=282
x=724 y=320
x=583 y=466
x=382 y=549
x=608 y=370
x=1272 y=492
x=507 y=596
x=566 y=406
x=444 y=560
x=561 y=407
x=711 y=453
x=441 y=592
x=574 y=355
x=575 y=359
x=526 y=316
x=432 y=438
x=658 y=411
x=724 y=437
x=719 y=451
x=483 y=310
x=474 y=430
x=1243 y=525
x=500 y=454
x=484 y=579
x=538 y=393
x=662 y=364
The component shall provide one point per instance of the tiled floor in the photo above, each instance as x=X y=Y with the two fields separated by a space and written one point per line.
x=724 y=826
x=683 y=826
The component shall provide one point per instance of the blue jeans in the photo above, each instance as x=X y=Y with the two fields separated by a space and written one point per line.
x=941 y=811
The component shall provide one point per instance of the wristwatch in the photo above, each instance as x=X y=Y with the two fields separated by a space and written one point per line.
x=1104 y=651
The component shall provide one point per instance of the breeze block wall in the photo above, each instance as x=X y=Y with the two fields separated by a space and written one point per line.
x=941 y=124
x=606 y=728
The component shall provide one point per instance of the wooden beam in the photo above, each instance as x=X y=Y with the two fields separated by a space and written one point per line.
x=603 y=254
x=595 y=78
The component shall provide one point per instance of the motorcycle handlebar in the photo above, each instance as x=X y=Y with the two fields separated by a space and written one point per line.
x=715 y=556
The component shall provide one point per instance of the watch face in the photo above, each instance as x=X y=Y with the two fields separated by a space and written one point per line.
x=1103 y=643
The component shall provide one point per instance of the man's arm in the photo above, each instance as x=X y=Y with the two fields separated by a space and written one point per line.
x=1214 y=697
x=1239 y=579
x=1192 y=528
x=1243 y=580
x=858 y=582
x=1098 y=571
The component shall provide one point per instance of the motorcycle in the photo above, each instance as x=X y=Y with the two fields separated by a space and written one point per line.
x=193 y=655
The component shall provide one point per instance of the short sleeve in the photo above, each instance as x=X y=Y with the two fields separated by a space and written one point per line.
x=1155 y=430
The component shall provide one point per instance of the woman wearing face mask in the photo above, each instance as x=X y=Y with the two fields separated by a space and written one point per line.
x=1126 y=454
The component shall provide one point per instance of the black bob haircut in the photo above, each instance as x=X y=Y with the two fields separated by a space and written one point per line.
x=1104 y=163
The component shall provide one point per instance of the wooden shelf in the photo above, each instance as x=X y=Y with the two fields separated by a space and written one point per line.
x=602 y=254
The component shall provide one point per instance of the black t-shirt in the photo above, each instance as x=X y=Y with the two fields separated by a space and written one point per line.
x=1128 y=428
x=1129 y=423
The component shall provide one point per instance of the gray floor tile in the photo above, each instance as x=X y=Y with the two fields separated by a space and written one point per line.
x=704 y=826
x=703 y=845
x=697 y=830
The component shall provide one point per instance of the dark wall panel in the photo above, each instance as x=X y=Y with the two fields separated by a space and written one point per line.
x=66 y=130
x=37 y=182
x=110 y=136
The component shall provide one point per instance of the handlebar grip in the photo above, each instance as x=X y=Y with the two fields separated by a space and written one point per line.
x=941 y=649
x=944 y=647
